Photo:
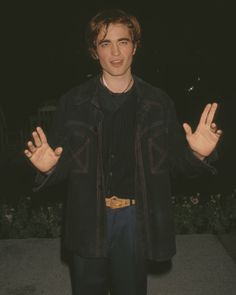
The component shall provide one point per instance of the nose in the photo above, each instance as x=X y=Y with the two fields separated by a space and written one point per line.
x=115 y=49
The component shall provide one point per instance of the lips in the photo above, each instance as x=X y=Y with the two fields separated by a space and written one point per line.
x=117 y=62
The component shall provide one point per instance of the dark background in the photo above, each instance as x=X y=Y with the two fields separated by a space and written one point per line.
x=188 y=50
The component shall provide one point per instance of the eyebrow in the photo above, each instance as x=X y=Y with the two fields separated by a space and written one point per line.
x=109 y=41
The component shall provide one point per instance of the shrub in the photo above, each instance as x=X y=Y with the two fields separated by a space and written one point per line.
x=213 y=214
x=25 y=221
x=193 y=214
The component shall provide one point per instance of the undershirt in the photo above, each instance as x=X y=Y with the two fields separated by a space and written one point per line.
x=118 y=140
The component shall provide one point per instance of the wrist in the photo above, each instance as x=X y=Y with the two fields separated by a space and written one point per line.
x=49 y=171
x=199 y=156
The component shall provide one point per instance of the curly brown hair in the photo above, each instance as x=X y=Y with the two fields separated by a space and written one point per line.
x=104 y=19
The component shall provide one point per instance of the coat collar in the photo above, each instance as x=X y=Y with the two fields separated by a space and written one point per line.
x=88 y=92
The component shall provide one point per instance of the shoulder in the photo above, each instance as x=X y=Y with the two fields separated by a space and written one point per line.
x=152 y=93
x=80 y=93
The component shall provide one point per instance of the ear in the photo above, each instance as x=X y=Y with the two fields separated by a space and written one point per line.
x=93 y=54
x=134 y=49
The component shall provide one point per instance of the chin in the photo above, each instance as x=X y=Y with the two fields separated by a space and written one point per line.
x=118 y=72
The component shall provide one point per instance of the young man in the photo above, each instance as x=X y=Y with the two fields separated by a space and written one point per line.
x=117 y=140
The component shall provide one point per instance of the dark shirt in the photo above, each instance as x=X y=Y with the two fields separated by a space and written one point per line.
x=118 y=141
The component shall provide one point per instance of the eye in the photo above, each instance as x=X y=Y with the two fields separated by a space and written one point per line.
x=104 y=44
x=124 y=42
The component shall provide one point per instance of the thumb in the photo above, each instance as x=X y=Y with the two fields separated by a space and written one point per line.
x=187 y=129
x=58 y=151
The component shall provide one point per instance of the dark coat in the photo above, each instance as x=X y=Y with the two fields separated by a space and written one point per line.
x=160 y=149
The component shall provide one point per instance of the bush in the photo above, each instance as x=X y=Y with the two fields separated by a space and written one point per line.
x=193 y=214
x=24 y=221
x=214 y=214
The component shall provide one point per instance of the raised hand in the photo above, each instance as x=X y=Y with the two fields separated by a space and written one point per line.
x=204 y=140
x=41 y=155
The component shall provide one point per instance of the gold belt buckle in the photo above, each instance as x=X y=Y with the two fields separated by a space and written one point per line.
x=114 y=202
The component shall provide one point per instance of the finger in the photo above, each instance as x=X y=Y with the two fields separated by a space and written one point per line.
x=211 y=114
x=31 y=147
x=58 y=151
x=187 y=129
x=204 y=114
x=219 y=132
x=37 y=140
x=213 y=127
x=42 y=135
x=28 y=153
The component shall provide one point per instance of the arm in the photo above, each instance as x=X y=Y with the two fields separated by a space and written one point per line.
x=50 y=155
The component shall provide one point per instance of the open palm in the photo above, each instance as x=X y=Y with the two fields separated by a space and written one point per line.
x=206 y=136
x=41 y=155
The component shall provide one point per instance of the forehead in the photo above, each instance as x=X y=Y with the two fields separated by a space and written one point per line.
x=114 y=32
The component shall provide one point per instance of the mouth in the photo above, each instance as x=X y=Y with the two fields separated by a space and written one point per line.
x=116 y=62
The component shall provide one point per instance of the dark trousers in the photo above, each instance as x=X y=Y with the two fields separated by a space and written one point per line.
x=124 y=271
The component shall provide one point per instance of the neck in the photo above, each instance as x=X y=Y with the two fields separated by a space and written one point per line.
x=117 y=84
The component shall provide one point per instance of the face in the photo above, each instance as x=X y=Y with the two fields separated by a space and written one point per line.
x=115 y=50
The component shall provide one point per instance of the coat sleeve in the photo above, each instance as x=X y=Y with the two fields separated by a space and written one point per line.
x=182 y=160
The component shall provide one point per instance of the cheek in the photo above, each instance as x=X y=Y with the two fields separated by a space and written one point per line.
x=130 y=55
x=130 y=52
x=102 y=56
x=103 y=61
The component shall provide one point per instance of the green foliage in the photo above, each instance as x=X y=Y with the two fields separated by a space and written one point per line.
x=193 y=214
x=209 y=214
x=25 y=221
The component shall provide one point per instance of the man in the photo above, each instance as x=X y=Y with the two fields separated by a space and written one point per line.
x=117 y=140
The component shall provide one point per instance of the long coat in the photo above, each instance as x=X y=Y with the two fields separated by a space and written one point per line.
x=160 y=150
